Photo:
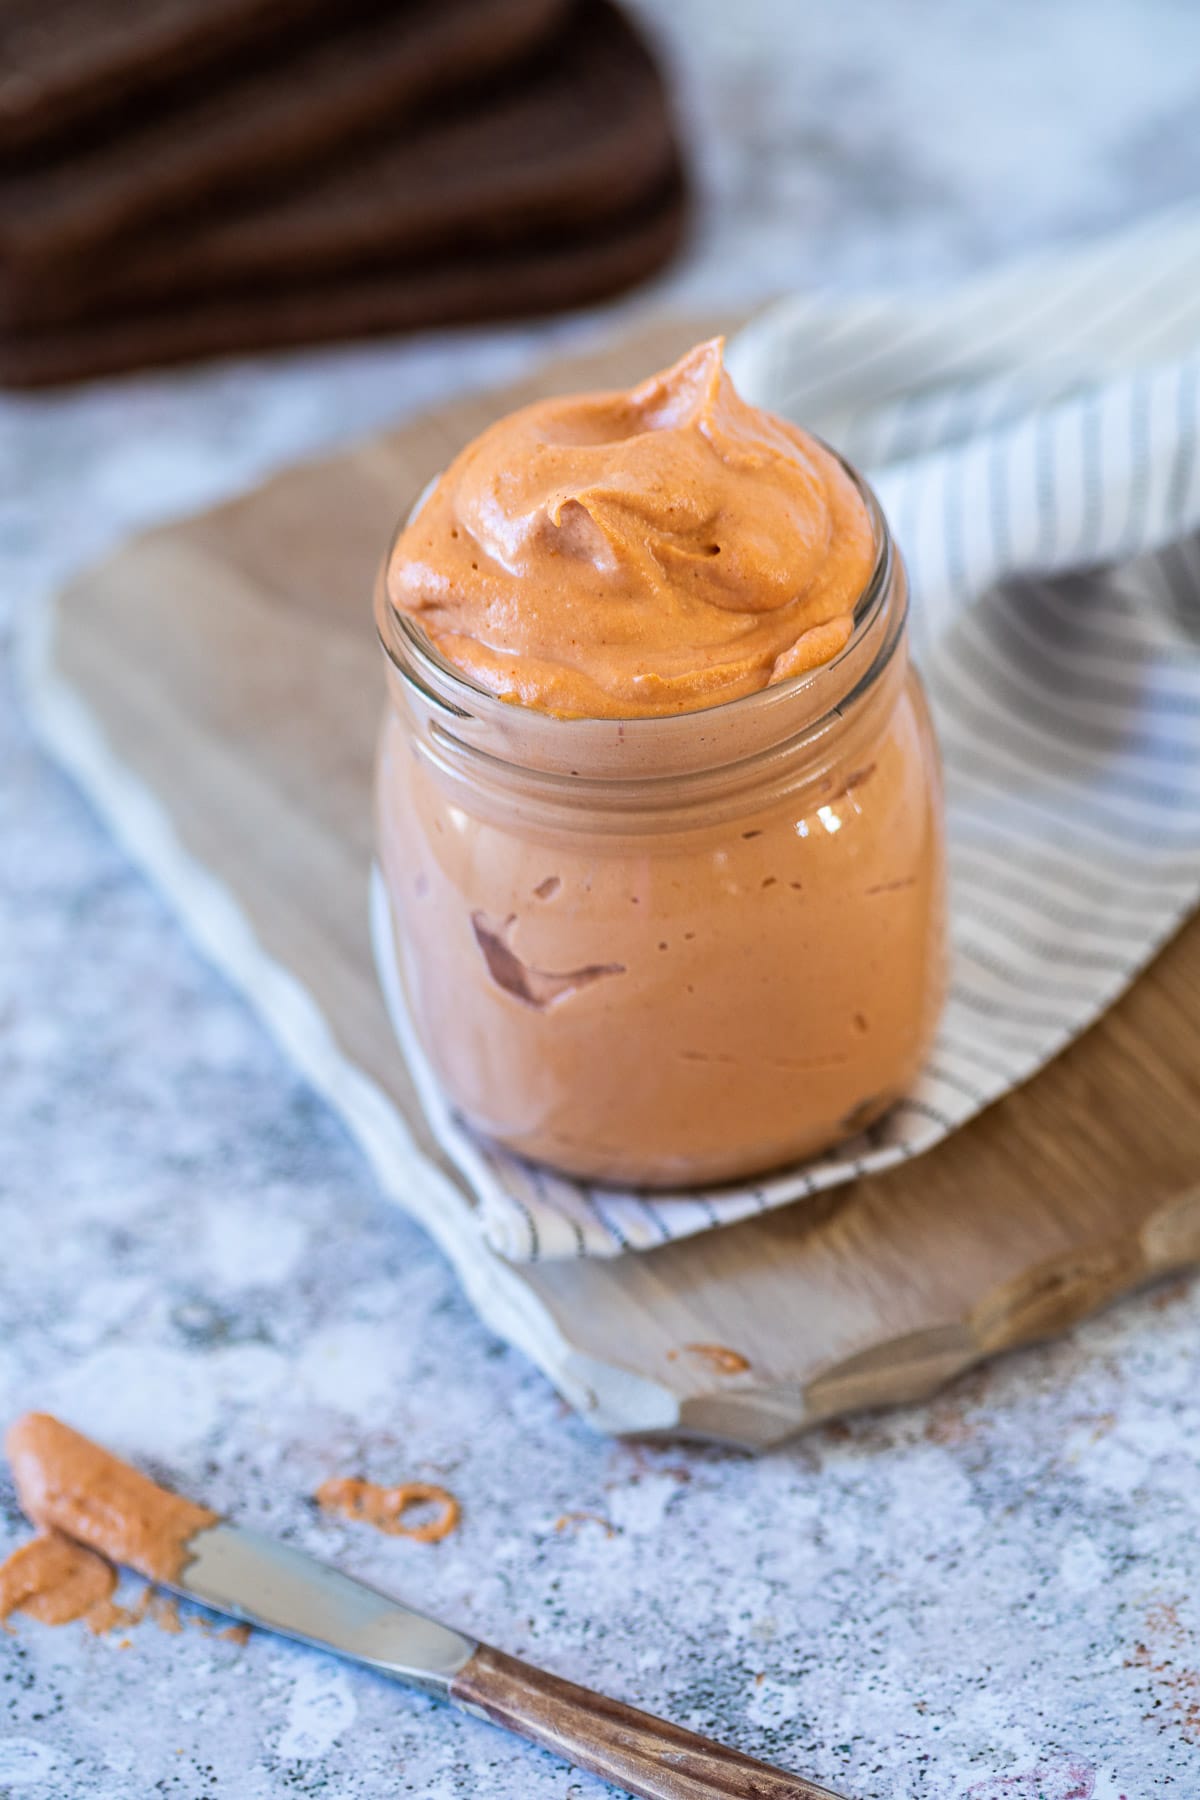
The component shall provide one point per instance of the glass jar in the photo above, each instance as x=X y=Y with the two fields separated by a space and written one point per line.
x=676 y=950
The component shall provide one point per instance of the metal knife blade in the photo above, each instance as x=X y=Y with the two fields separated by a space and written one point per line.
x=262 y=1582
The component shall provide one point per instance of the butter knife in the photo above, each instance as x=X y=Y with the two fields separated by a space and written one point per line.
x=66 y=1482
x=277 y=1588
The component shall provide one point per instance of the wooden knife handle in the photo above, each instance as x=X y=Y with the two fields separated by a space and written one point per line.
x=629 y=1748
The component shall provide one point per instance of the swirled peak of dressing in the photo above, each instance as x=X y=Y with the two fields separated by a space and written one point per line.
x=620 y=555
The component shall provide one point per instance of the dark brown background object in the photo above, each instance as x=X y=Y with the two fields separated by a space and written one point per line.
x=571 y=141
x=64 y=64
x=278 y=116
x=227 y=668
x=540 y=277
x=369 y=168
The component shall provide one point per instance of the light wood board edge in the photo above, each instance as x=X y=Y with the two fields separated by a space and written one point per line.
x=614 y=1399
x=744 y=1410
x=1040 y=1304
x=738 y=1410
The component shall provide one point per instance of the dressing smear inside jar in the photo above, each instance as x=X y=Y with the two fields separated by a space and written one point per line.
x=658 y=799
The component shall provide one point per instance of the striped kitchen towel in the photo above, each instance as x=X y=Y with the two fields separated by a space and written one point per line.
x=1035 y=441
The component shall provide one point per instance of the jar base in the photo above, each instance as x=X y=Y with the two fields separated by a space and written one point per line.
x=686 y=1174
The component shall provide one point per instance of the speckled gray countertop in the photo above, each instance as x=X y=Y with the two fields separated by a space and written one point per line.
x=995 y=1596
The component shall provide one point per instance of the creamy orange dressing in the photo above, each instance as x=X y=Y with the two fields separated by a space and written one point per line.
x=65 y=1480
x=68 y=1484
x=645 y=937
x=637 y=553
x=386 y=1507
x=56 y=1581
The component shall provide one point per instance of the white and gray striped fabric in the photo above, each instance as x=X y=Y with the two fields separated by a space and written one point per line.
x=1035 y=441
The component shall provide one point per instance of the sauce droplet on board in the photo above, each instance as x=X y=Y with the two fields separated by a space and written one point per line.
x=719 y=1357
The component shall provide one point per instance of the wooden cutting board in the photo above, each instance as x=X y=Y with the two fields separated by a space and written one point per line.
x=215 y=687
